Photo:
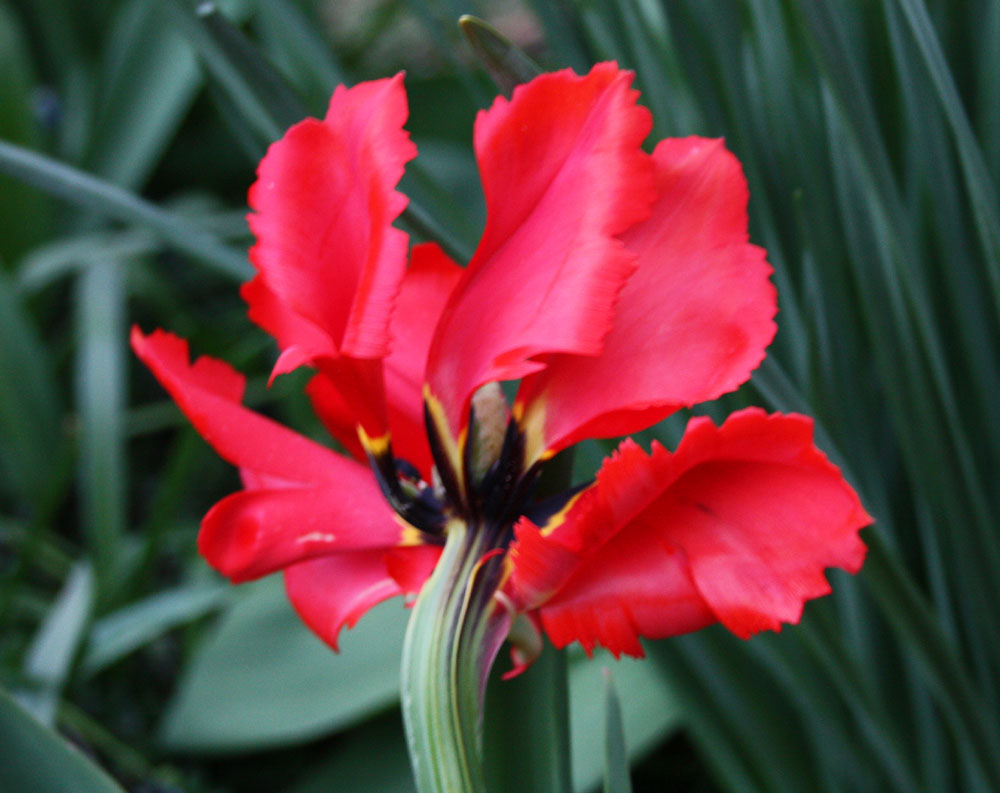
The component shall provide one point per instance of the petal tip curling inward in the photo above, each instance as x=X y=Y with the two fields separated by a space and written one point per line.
x=739 y=525
x=563 y=174
x=691 y=323
x=329 y=259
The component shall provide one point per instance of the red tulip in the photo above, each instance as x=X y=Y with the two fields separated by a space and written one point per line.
x=616 y=285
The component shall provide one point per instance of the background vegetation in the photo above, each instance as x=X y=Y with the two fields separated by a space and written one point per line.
x=129 y=132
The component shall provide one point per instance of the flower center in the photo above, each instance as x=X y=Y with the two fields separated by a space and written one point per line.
x=492 y=489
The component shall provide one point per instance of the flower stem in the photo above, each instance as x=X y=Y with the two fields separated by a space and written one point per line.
x=451 y=640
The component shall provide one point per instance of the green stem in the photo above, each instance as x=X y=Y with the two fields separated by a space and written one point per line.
x=451 y=640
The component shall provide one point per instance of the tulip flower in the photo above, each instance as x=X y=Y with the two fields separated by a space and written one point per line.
x=617 y=287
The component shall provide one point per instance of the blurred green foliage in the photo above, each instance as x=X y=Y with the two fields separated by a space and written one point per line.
x=129 y=132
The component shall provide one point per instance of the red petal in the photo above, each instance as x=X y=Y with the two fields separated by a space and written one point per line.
x=209 y=392
x=691 y=323
x=410 y=566
x=429 y=281
x=352 y=396
x=336 y=414
x=329 y=260
x=738 y=525
x=424 y=291
x=256 y=532
x=563 y=174
x=336 y=590
x=635 y=585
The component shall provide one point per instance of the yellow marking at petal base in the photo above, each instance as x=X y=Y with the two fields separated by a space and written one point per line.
x=377 y=447
x=451 y=448
x=410 y=535
x=531 y=421
x=316 y=536
x=559 y=518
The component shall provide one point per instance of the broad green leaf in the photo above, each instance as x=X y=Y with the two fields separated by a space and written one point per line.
x=261 y=679
x=33 y=759
x=54 y=647
x=616 y=777
x=371 y=758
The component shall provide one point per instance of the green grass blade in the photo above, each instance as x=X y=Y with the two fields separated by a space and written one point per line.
x=650 y=711
x=89 y=192
x=123 y=631
x=616 y=778
x=294 y=43
x=30 y=434
x=100 y=400
x=146 y=86
x=50 y=656
x=262 y=97
x=24 y=210
x=982 y=192
x=930 y=649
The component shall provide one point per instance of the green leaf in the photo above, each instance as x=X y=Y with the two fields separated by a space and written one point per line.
x=51 y=653
x=910 y=615
x=256 y=90
x=100 y=399
x=294 y=42
x=616 y=778
x=526 y=735
x=24 y=210
x=37 y=760
x=126 y=630
x=650 y=711
x=29 y=407
x=261 y=679
x=982 y=193
x=370 y=758
x=89 y=192
x=147 y=83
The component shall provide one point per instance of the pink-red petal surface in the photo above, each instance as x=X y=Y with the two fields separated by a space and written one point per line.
x=329 y=262
x=256 y=532
x=691 y=323
x=738 y=525
x=209 y=393
x=563 y=174
x=302 y=500
x=334 y=591
x=429 y=281
x=336 y=413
